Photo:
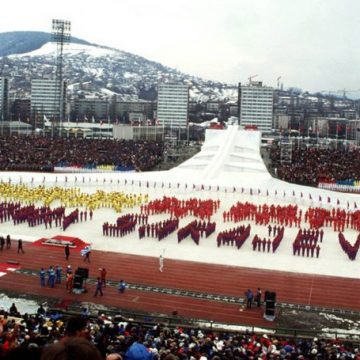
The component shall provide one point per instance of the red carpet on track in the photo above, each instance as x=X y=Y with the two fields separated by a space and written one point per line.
x=79 y=244
x=5 y=268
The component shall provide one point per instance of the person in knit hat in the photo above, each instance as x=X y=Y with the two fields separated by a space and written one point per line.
x=138 y=351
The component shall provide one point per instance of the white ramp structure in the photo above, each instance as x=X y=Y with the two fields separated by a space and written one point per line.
x=227 y=157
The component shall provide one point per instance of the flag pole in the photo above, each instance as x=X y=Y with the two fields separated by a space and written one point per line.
x=327 y=130
x=346 y=132
x=337 y=134
x=109 y=125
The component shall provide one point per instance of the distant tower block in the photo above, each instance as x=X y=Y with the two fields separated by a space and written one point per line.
x=255 y=103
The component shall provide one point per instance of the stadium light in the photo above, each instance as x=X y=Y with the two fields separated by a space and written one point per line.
x=60 y=35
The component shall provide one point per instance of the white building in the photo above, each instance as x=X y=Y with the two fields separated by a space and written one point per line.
x=281 y=121
x=46 y=97
x=173 y=103
x=4 y=98
x=256 y=105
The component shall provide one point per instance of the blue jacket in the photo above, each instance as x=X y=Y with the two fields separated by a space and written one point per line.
x=138 y=351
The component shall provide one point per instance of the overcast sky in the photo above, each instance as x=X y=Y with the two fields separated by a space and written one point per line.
x=311 y=44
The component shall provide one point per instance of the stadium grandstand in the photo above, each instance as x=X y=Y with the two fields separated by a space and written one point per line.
x=219 y=258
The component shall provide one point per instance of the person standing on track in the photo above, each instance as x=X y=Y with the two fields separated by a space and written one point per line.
x=86 y=253
x=161 y=263
x=103 y=273
x=69 y=282
x=8 y=242
x=67 y=252
x=99 y=287
x=58 y=271
x=249 y=298
x=20 y=246
x=258 y=297
x=122 y=286
x=42 y=277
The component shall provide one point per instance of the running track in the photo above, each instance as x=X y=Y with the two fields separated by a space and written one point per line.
x=313 y=290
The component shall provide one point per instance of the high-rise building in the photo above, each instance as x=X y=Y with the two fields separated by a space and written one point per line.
x=45 y=98
x=91 y=107
x=172 y=107
x=4 y=98
x=256 y=105
x=21 y=110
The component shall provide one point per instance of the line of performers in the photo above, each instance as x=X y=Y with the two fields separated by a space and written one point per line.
x=196 y=229
x=159 y=229
x=7 y=210
x=267 y=245
x=350 y=250
x=124 y=225
x=202 y=209
x=339 y=219
x=264 y=214
x=72 y=218
x=236 y=236
x=37 y=216
x=306 y=243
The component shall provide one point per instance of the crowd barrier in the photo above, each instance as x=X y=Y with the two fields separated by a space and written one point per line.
x=181 y=321
x=93 y=169
x=350 y=182
x=349 y=186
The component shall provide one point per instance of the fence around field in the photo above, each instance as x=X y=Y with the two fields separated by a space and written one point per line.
x=150 y=320
x=349 y=186
x=62 y=168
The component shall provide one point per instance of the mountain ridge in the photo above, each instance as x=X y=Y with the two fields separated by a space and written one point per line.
x=18 y=42
x=104 y=70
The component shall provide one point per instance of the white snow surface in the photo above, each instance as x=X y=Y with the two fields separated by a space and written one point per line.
x=23 y=305
x=197 y=94
x=128 y=75
x=71 y=49
x=108 y=92
x=229 y=160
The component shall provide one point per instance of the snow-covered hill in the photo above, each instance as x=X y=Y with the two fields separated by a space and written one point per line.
x=106 y=72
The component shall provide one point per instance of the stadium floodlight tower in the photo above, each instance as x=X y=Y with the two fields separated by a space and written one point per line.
x=60 y=35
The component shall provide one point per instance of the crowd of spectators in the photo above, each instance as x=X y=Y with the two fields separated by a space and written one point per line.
x=45 y=336
x=309 y=166
x=29 y=153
